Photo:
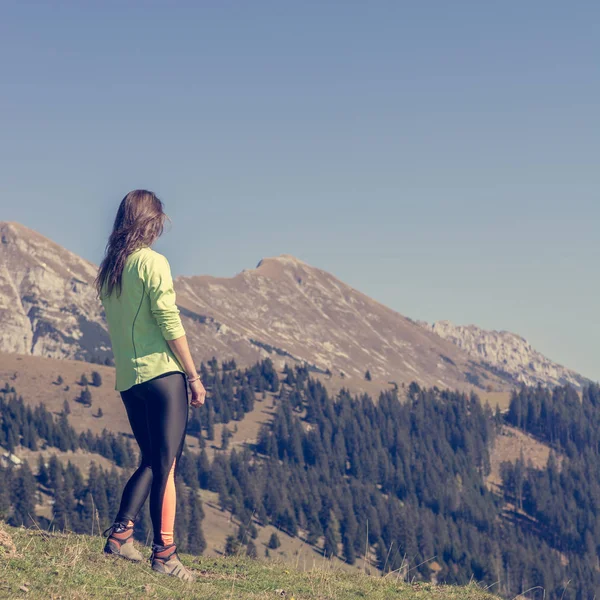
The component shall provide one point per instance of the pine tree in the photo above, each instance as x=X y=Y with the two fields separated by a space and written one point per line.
x=42 y=472
x=5 y=487
x=188 y=470
x=203 y=468
x=251 y=549
x=12 y=440
x=232 y=545
x=113 y=491
x=23 y=497
x=55 y=472
x=225 y=435
x=86 y=397
x=61 y=517
x=210 y=423
x=196 y=543
x=332 y=536
x=97 y=488
x=96 y=379
x=382 y=556
x=87 y=514
x=182 y=514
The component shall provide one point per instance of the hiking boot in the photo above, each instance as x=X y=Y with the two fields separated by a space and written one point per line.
x=120 y=542
x=164 y=559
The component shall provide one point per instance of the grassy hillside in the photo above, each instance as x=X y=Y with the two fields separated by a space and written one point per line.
x=72 y=567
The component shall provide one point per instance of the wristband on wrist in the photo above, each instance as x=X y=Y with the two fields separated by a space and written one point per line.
x=193 y=379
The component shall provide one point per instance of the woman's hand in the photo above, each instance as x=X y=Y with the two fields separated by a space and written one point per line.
x=198 y=393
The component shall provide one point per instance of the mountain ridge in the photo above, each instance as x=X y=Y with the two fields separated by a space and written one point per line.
x=283 y=308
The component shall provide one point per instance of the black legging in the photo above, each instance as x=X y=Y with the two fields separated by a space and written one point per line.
x=158 y=414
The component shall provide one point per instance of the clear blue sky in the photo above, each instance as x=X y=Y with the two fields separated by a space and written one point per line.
x=442 y=157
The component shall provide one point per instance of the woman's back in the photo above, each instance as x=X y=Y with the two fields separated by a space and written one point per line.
x=142 y=318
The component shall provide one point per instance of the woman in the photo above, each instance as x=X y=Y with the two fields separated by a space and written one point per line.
x=152 y=361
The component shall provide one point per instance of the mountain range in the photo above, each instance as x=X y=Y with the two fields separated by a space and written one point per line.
x=284 y=308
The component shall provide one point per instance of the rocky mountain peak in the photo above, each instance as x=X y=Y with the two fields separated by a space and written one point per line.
x=283 y=259
x=25 y=250
x=47 y=301
x=277 y=266
x=507 y=352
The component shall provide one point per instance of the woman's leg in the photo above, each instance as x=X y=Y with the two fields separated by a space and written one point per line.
x=167 y=399
x=138 y=487
x=120 y=534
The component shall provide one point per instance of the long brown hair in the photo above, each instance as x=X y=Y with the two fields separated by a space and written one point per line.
x=139 y=222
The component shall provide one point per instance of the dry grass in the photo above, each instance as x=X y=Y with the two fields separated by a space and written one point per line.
x=509 y=445
x=33 y=377
x=217 y=525
x=501 y=399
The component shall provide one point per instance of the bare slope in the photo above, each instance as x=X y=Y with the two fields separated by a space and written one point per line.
x=34 y=378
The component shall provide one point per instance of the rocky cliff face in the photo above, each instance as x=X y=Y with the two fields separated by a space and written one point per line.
x=507 y=352
x=47 y=304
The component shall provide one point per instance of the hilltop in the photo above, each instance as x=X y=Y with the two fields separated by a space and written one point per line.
x=68 y=566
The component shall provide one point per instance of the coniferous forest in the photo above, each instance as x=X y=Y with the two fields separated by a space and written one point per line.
x=403 y=480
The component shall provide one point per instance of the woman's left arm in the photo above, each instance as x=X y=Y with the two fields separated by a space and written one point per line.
x=159 y=283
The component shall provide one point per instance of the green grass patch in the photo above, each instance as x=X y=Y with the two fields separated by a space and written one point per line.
x=67 y=566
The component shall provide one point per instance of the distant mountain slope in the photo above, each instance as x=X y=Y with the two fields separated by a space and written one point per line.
x=304 y=312
x=508 y=352
x=284 y=308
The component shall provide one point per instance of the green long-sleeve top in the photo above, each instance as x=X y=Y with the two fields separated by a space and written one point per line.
x=142 y=319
